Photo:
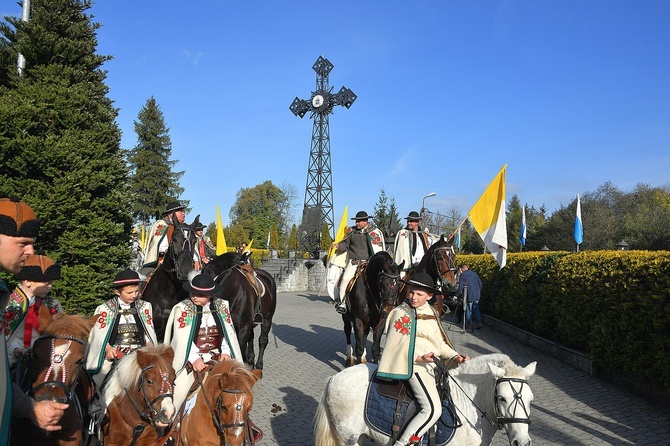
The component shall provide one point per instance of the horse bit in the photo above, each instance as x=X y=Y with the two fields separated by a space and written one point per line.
x=58 y=359
x=166 y=391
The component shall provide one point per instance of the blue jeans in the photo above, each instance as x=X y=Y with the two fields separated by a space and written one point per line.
x=473 y=307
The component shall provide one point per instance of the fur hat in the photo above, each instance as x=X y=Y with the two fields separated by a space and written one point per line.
x=173 y=206
x=202 y=284
x=361 y=215
x=126 y=277
x=17 y=219
x=39 y=268
x=423 y=281
x=413 y=216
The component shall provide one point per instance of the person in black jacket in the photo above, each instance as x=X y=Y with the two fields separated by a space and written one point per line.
x=470 y=279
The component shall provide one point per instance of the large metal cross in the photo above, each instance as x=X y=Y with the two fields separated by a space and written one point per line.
x=318 y=207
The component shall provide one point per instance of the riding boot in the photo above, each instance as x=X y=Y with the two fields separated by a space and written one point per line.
x=341 y=306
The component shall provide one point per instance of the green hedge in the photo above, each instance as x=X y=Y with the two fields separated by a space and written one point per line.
x=612 y=305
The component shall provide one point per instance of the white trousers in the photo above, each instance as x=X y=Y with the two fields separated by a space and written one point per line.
x=423 y=385
x=347 y=275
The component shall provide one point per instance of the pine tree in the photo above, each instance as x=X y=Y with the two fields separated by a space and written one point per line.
x=381 y=213
x=152 y=181
x=60 y=148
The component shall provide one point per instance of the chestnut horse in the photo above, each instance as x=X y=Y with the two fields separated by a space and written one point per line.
x=140 y=389
x=439 y=263
x=219 y=408
x=57 y=374
x=372 y=297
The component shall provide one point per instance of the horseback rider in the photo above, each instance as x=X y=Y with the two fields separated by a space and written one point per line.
x=200 y=329
x=361 y=243
x=160 y=234
x=21 y=325
x=415 y=340
x=204 y=248
x=411 y=243
x=124 y=324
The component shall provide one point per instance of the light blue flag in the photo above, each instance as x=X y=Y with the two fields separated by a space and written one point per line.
x=579 y=230
x=458 y=239
x=522 y=234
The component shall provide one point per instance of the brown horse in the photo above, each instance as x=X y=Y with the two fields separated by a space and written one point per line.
x=220 y=414
x=57 y=374
x=140 y=389
x=439 y=263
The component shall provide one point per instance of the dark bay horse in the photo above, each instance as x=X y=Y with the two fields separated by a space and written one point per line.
x=372 y=296
x=243 y=299
x=165 y=287
x=57 y=373
x=439 y=263
x=140 y=389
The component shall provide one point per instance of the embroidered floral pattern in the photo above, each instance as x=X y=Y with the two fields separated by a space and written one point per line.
x=104 y=319
x=402 y=325
x=147 y=316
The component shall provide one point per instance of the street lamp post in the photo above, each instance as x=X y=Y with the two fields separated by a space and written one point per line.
x=423 y=204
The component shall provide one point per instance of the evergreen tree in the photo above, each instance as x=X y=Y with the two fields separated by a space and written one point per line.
x=293 y=238
x=152 y=181
x=380 y=213
x=60 y=148
x=326 y=239
x=394 y=218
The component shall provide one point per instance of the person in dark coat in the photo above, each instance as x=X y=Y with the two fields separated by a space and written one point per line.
x=470 y=279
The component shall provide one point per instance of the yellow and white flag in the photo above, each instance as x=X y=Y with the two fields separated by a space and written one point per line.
x=220 y=238
x=341 y=231
x=489 y=219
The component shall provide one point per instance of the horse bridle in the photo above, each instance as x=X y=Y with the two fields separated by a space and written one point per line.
x=220 y=427
x=59 y=359
x=184 y=246
x=518 y=403
x=450 y=264
x=150 y=414
x=393 y=277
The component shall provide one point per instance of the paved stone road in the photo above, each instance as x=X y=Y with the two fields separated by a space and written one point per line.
x=570 y=408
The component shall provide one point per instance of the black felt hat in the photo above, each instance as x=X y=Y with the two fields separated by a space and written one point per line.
x=39 y=268
x=173 y=206
x=17 y=219
x=202 y=284
x=413 y=216
x=423 y=281
x=199 y=227
x=126 y=277
x=361 y=215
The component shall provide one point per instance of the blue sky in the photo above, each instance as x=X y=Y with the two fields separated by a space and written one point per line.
x=569 y=94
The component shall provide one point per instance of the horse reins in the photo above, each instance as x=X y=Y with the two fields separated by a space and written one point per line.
x=184 y=246
x=500 y=421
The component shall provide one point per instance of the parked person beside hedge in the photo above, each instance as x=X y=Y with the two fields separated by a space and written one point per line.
x=474 y=284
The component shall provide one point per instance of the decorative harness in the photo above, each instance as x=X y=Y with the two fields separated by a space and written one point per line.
x=149 y=414
x=58 y=359
x=216 y=418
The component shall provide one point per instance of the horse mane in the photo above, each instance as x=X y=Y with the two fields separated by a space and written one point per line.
x=239 y=373
x=62 y=324
x=479 y=365
x=128 y=372
x=221 y=263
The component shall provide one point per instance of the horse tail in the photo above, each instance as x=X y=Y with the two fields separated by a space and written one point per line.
x=324 y=433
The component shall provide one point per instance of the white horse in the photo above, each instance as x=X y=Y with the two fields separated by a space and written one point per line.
x=490 y=384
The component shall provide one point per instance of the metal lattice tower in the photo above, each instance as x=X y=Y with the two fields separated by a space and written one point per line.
x=319 y=190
